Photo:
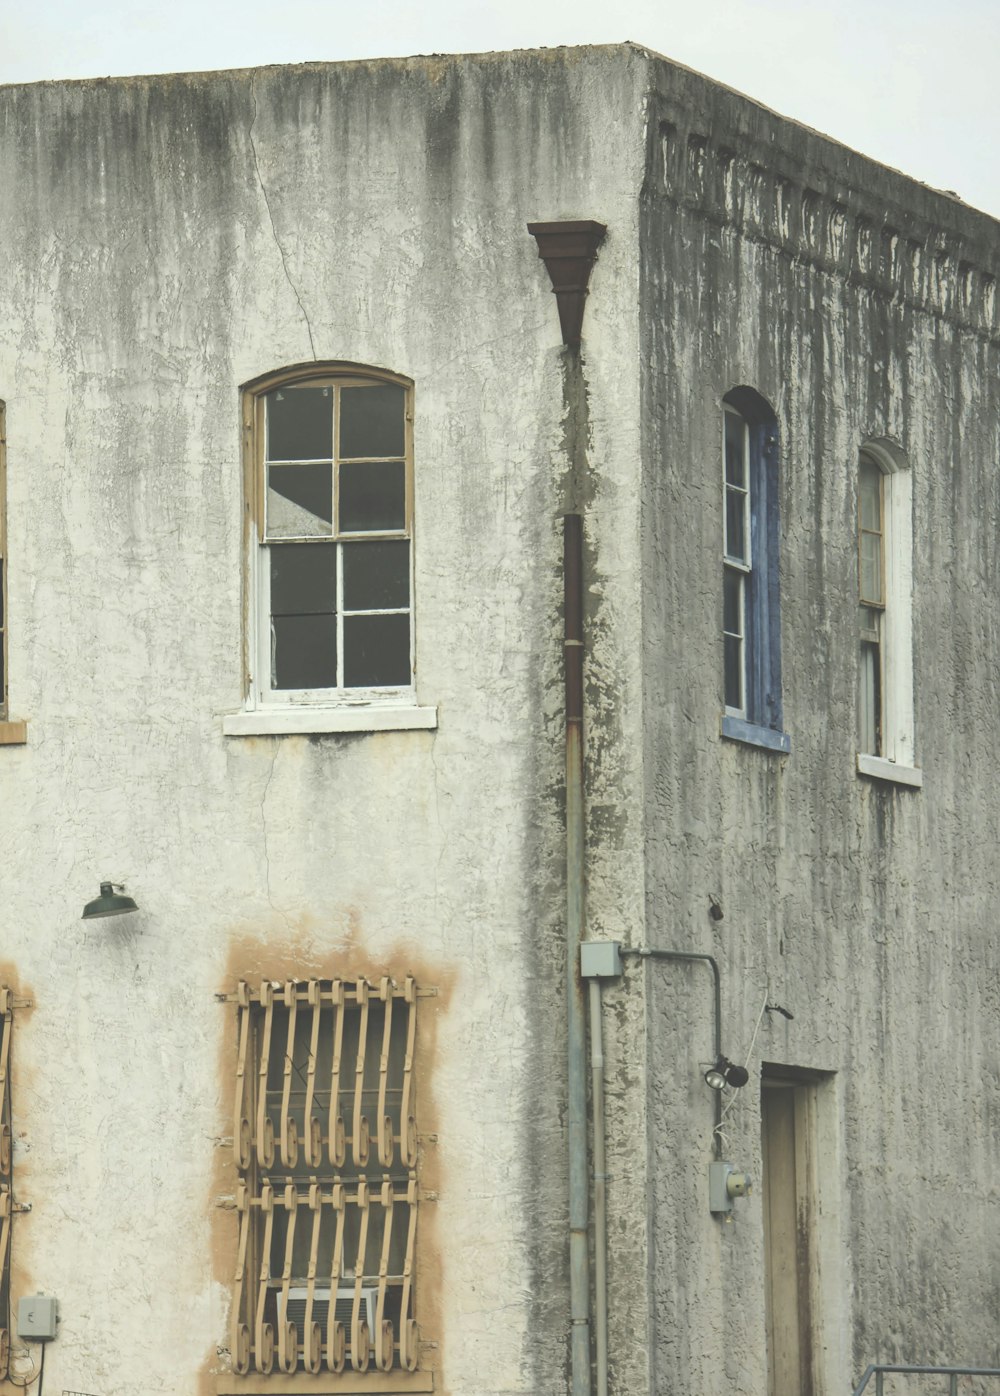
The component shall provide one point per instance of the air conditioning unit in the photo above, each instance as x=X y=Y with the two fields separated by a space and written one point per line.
x=343 y=1308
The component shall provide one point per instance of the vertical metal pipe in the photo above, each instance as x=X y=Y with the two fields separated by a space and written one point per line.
x=879 y=1383
x=600 y=1190
x=577 y=1038
x=953 y=1384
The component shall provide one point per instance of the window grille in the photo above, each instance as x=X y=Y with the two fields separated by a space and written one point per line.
x=6 y=1179
x=325 y=1142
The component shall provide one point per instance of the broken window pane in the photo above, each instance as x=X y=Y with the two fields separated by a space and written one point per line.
x=373 y=497
x=304 y=651
x=376 y=576
x=870 y=493
x=300 y=424
x=299 y=501
x=871 y=568
x=376 y=651
x=733 y=652
x=371 y=421
x=736 y=525
x=303 y=579
x=732 y=602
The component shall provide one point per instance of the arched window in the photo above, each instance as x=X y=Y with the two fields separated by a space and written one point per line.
x=751 y=616
x=885 y=652
x=329 y=467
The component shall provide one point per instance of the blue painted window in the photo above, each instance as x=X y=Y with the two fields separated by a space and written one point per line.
x=751 y=612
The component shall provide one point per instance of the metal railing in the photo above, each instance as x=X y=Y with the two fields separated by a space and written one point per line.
x=880 y=1371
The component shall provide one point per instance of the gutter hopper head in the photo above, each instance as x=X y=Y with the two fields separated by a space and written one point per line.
x=569 y=251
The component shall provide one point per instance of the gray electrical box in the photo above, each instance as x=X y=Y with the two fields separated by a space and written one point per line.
x=37 y=1316
x=600 y=959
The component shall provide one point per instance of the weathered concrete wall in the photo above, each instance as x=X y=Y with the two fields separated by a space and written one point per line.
x=166 y=240
x=859 y=304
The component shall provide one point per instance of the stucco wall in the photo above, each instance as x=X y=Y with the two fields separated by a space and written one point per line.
x=165 y=240
x=859 y=305
x=168 y=239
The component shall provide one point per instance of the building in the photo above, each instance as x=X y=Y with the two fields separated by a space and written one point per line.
x=292 y=427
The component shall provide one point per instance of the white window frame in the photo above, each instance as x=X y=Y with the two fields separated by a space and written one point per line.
x=896 y=761
x=336 y=709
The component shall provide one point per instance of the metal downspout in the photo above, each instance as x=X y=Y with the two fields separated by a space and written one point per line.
x=600 y=1190
x=579 y=1285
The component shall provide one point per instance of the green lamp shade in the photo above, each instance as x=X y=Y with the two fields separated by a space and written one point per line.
x=109 y=903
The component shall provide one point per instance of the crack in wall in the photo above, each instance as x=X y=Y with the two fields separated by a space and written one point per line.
x=270 y=215
x=263 y=824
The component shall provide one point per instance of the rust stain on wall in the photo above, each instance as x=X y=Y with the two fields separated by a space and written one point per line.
x=21 y=1081
x=296 y=955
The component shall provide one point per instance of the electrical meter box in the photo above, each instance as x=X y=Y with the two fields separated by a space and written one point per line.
x=725 y=1183
x=37 y=1315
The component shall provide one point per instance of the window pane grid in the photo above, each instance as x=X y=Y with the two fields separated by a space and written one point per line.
x=871 y=594
x=736 y=557
x=871 y=534
x=733 y=623
x=371 y=460
x=397 y=611
x=736 y=457
x=361 y=500
x=870 y=699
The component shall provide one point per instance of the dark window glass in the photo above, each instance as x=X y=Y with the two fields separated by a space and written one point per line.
x=300 y=424
x=736 y=525
x=303 y=579
x=735 y=459
x=376 y=651
x=373 y=497
x=732 y=603
x=299 y=500
x=304 y=651
x=376 y=576
x=371 y=421
x=734 y=674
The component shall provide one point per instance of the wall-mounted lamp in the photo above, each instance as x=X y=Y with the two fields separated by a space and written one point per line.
x=724 y=1073
x=109 y=903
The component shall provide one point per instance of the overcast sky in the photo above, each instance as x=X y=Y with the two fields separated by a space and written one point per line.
x=910 y=82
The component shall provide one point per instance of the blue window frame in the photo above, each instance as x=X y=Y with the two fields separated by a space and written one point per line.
x=751 y=611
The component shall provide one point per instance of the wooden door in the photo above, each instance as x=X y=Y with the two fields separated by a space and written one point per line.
x=788 y=1188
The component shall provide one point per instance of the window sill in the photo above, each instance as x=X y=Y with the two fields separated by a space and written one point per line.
x=13 y=733
x=737 y=729
x=880 y=769
x=277 y=722
x=394 y=1382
